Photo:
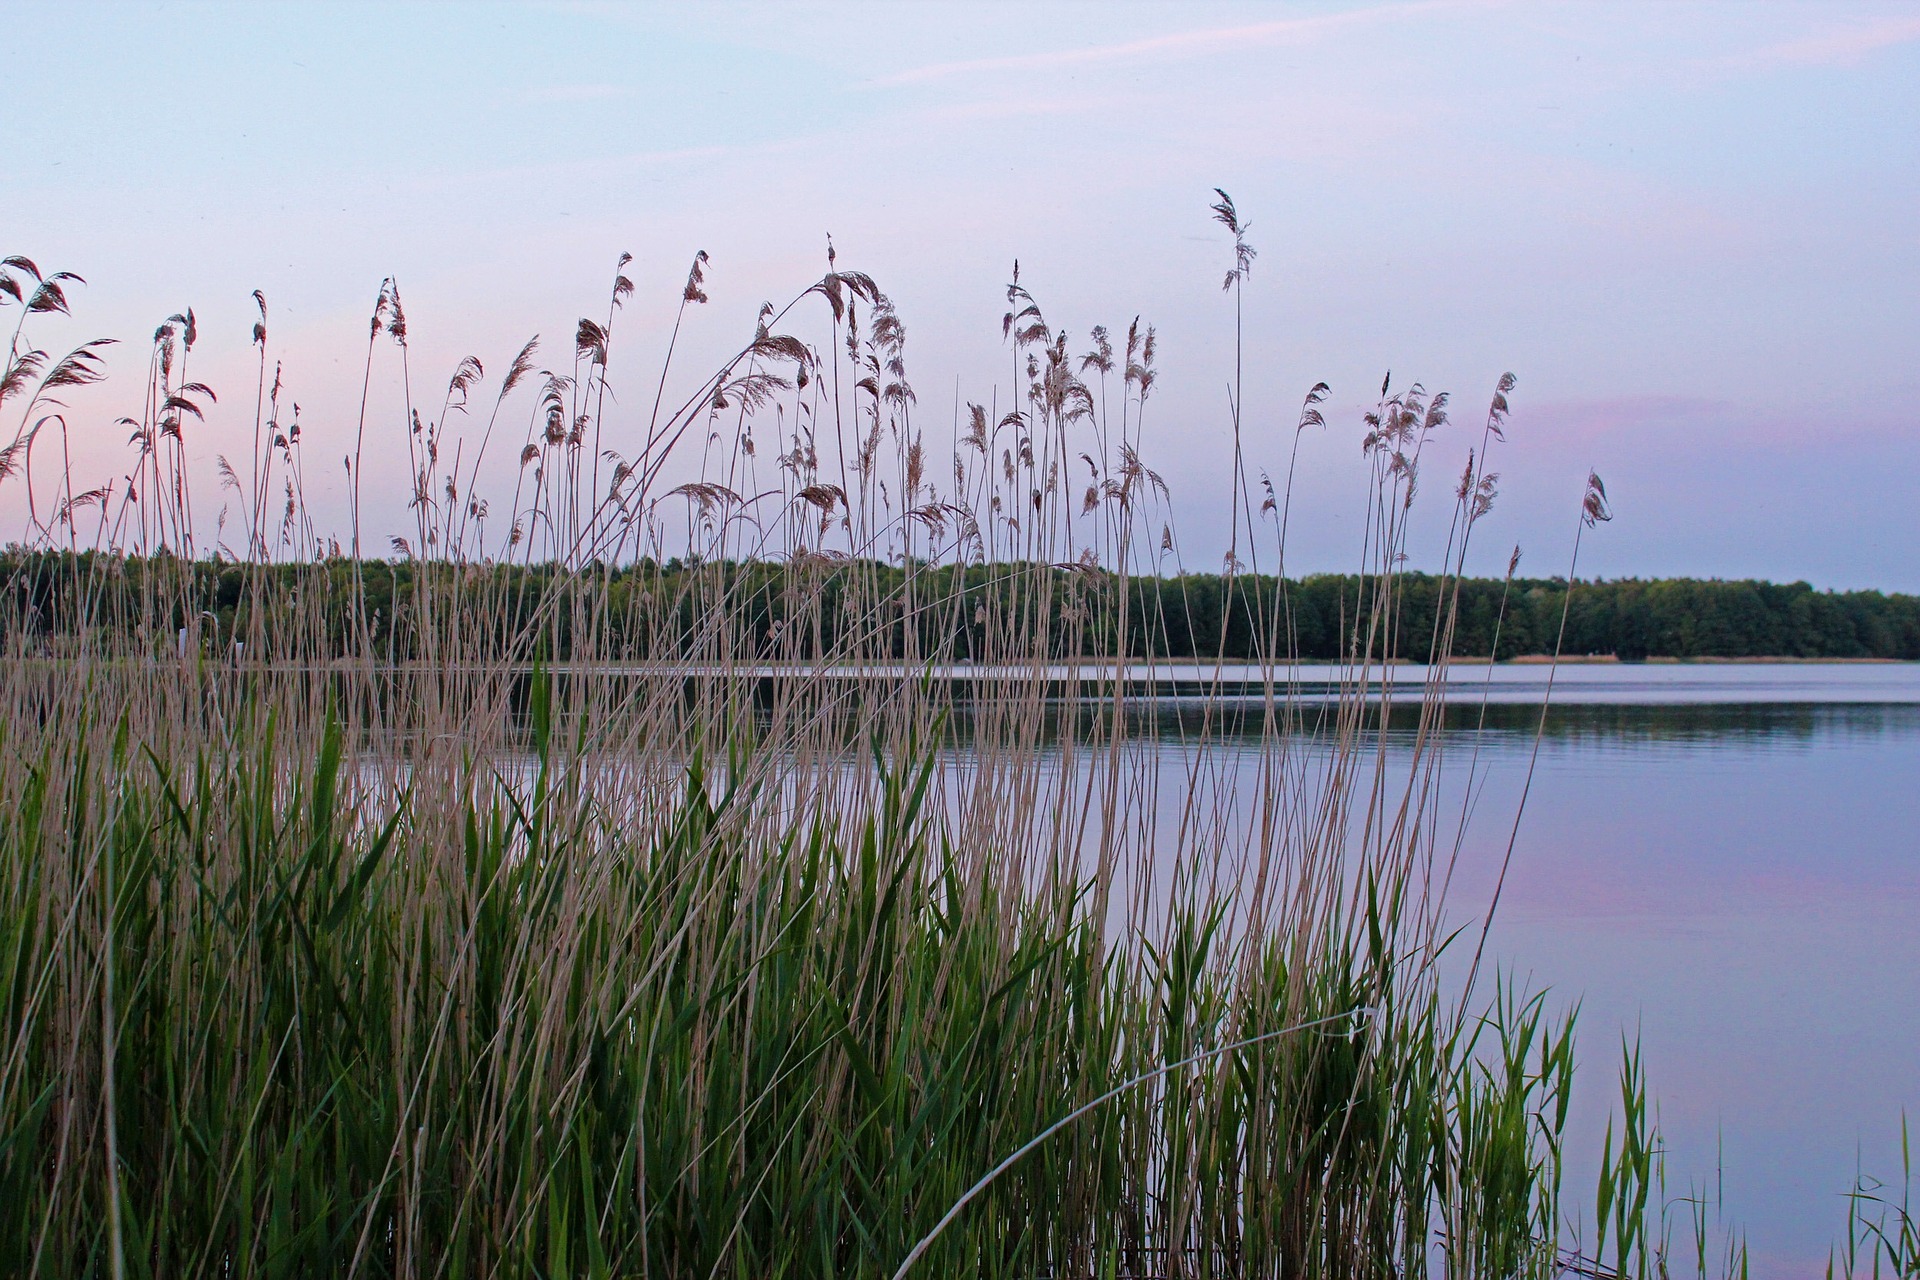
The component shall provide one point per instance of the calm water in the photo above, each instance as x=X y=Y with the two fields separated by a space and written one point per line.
x=1722 y=861
x=1741 y=884
x=1624 y=684
x=1725 y=862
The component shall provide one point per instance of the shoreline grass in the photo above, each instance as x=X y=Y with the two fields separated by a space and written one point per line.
x=356 y=949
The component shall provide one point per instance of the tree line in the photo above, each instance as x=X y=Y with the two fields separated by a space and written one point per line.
x=798 y=610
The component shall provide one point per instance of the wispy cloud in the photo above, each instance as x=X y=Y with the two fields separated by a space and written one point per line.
x=1842 y=46
x=1605 y=413
x=1177 y=43
x=1700 y=426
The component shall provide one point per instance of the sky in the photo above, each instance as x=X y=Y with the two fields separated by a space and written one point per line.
x=1689 y=230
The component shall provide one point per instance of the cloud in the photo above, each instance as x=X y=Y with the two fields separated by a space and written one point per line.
x=1175 y=44
x=1705 y=424
x=1842 y=46
x=1604 y=413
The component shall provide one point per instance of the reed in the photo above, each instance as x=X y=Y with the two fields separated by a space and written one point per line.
x=615 y=883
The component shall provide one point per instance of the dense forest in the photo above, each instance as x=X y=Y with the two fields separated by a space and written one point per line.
x=53 y=595
x=1629 y=618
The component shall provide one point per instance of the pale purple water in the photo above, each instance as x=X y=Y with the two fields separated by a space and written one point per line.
x=1742 y=885
x=1725 y=862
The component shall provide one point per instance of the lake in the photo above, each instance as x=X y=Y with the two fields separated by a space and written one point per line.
x=1720 y=860
x=1723 y=860
x=1740 y=882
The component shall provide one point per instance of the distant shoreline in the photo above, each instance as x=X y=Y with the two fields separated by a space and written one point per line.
x=1193 y=618
x=1543 y=659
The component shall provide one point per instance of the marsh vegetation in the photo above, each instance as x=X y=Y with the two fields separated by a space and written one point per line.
x=340 y=933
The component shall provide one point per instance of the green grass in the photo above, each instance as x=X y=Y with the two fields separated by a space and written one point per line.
x=334 y=942
x=290 y=1026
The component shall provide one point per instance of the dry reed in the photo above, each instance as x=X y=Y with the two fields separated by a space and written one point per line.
x=716 y=858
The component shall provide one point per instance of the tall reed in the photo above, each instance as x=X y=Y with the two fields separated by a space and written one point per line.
x=718 y=856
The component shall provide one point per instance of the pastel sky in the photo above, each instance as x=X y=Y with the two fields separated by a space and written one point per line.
x=1693 y=231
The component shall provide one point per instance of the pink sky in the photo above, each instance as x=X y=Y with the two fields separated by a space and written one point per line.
x=1689 y=229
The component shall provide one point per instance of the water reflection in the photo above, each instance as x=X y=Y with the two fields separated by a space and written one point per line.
x=1741 y=885
x=1736 y=883
x=1702 y=724
x=1721 y=861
